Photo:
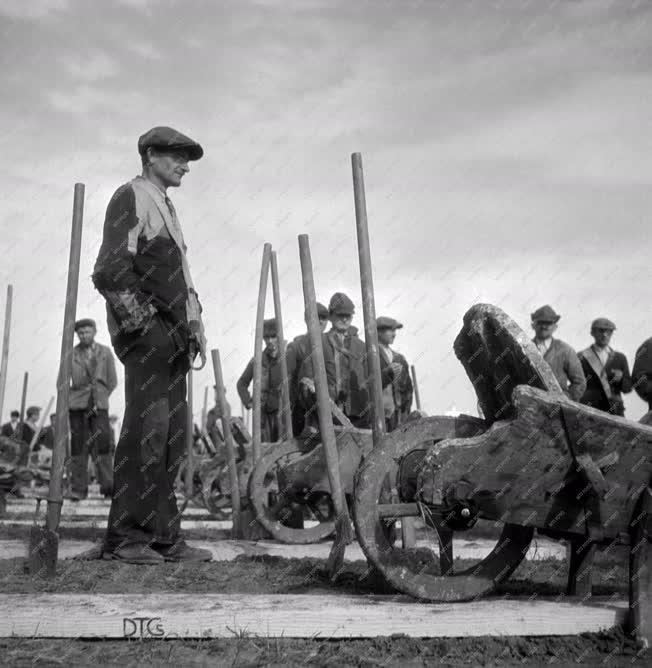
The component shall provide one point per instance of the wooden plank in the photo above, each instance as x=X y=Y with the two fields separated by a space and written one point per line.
x=166 y=615
x=91 y=510
x=227 y=550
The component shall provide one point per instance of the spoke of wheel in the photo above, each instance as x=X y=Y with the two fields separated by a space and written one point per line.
x=445 y=538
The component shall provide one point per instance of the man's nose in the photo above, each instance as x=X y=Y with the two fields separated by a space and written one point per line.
x=185 y=167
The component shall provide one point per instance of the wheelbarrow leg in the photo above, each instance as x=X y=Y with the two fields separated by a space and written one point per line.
x=580 y=565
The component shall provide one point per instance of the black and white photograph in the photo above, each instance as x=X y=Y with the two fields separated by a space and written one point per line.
x=326 y=333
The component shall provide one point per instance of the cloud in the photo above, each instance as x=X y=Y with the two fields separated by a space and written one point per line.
x=32 y=9
x=90 y=67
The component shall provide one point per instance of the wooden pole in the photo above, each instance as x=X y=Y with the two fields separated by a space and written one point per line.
x=5 y=347
x=343 y=534
x=368 y=303
x=415 y=385
x=286 y=414
x=371 y=333
x=23 y=403
x=256 y=436
x=190 y=439
x=204 y=411
x=228 y=442
x=44 y=544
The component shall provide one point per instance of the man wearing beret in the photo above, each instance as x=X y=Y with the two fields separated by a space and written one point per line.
x=270 y=392
x=606 y=371
x=563 y=360
x=156 y=331
x=298 y=350
x=92 y=382
x=642 y=372
x=395 y=375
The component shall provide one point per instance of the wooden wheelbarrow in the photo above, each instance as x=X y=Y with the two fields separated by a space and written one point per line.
x=538 y=462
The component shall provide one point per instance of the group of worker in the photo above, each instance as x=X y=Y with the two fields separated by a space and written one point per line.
x=345 y=358
x=597 y=376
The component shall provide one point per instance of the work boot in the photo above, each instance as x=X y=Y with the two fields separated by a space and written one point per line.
x=136 y=553
x=181 y=551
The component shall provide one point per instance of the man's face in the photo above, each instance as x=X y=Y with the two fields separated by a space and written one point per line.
x=544 y=329
x=341 y=321
x=601 y=336
x=34 y=417
x=386 y=336
x=86 y=335
x=14 y=419
x=322 y=323
x=169 y=166
x=271 y=344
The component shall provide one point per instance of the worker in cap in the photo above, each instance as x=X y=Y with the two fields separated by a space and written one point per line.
x=563 y=360
x=394 y=373
x=155 y=323
x=270 y=392
x=298 y=350
x=345 y=358
x=11 y=429
x=606 y=370
x=92 y=382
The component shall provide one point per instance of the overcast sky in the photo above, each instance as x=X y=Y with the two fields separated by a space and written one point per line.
x=507 y=150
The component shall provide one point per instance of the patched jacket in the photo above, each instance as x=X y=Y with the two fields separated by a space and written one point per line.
x=142 y=267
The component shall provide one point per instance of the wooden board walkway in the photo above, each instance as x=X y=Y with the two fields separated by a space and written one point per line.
x=227 y=550
x=168 y=615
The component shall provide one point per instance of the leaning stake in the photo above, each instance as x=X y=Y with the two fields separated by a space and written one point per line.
x=258 y=354
x=236 y=531
x=44 y=542
x=286 y=415
x=5 y=347
x=343 y=534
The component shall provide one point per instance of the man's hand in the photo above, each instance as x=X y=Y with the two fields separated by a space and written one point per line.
x=248 y=404
x=616 y=375
x=197 y=344
x=309 y=384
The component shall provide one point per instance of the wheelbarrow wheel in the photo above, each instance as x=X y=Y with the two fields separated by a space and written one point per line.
x=639 y=619
x=424 y=572
x=277 y=516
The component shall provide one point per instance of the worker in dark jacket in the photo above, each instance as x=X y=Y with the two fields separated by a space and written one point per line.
x=563 y=360
x=296 y=353
x=270 y=392
x=395 y=373
x=11 y=429
x=606 y=371
x=156 y=330
x=642 y=372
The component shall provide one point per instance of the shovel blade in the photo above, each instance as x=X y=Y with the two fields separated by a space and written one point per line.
x=43 y=552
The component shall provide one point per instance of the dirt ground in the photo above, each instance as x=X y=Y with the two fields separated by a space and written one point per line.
x=274 y=575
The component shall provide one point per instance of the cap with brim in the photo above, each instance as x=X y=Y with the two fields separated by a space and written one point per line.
x=269 y=328
x=545 y=314
x=85 y=322
x=383 y=322
x=603 y=323
x=340 y=304
x=167 y=139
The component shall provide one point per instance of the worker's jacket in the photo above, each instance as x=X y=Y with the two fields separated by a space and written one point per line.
x=93 y=377
x=270 y=387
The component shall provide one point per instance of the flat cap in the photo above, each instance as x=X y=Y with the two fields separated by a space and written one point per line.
x=269 y=327
x=341 y=304
x=85 y=322
x=383 y=322
x=602 y=323
x=162 y=137
x=545 y=314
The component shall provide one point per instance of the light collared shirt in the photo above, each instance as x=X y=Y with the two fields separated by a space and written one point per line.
x=543 y=346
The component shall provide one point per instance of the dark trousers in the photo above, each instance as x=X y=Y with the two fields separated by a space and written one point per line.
x=152 y=443
x=269 y=426
x=90 y=433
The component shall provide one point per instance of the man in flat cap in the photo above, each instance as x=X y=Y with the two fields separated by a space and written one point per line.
x=345 y=358
x=606 y=371
x=395 y=375
x=270 y=392
x=297 y=351
x=156 y=331
x=642 y=373
x=92 y=382
x=563 y=360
